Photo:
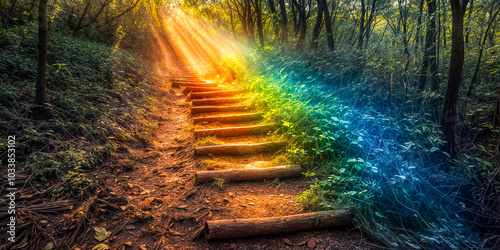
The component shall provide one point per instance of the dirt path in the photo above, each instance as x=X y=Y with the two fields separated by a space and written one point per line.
x=152 y=201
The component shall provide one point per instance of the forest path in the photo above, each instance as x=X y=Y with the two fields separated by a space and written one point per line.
x=235 y=151
x=151 y=198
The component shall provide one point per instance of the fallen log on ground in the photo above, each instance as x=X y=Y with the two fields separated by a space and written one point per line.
x=213 y=94
x=236 y=131
x=250 y=174
x=201 y=89
x=241 y=149
x=217 y=101
x=206 y=109
x=229 y=118
x=237 y=228
x=177 y=84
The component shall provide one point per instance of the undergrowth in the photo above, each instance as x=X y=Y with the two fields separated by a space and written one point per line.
x=90 y=110
x=372 y=151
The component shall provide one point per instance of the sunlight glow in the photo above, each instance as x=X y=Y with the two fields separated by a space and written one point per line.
x=185 y=41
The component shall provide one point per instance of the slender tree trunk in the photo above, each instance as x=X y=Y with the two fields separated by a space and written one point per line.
x=249 y=20
x=467 y=25
x=438 y=44
x=404 y=22
x=260 y=31
x=419 y=24
x=444 y=24
x=274 y=17
x=429 y=58
x=283 y=22
x=302 y=22
x=492 y=33
x=328 y=24
x=361 y=24
x=367 y=28
x=433 y=56
x=476 y=70
x=41 y=81
x=317 y=26
x=449 y=114
x=231 y=19
x=496 y=113
x=295 y=20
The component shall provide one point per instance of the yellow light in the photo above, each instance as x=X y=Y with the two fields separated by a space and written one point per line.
x=185 y=41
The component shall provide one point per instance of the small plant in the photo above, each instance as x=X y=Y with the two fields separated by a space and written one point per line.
x=219 y=183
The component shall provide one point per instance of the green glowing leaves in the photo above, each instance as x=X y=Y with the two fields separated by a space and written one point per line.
x=287 y=124
x=356 y=163
x=378 y=214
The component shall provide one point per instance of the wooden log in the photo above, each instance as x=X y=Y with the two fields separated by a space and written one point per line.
x=217 y=101
x=237 y=228
x=186 y=77
x=207 y=109
x=200 y=89
x=236 y=131
x=241 y=149
x=229 y=118
x=223 y=93
x=177 y=84
x=249 y=174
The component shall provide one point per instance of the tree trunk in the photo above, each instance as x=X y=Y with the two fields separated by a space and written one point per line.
x=283 y=22
x=467 y=25
x=41 y=81
x=260 y=31
x=496 y=113
x=419 y=23
x=444 y=11
x=449 y=114
x=429 y=58
x=476 y=70
x=361 y=25
x=250 y=174
x=317 y=26
x=249 y=21
x=328 y=25
x=302 y=22
x=272 y=9
x=433 y=55
x=404 y=22
x=233 y=31
x=236 y=228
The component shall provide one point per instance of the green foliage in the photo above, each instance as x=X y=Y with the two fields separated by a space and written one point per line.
x=369 y=153
x=88 y=88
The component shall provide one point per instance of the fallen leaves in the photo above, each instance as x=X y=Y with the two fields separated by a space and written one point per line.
x=101 y=246
x=101 y=233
